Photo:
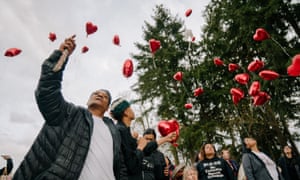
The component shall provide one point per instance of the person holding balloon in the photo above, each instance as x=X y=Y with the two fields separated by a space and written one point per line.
x=74 y=142
x=160 y=170
x=133 y=150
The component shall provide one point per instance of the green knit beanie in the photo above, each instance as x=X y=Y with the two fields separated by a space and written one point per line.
x=118 y=107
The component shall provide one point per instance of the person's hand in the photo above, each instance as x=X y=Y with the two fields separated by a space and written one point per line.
x=166 y=171
x=68 y=44
x=142 y=142
x=135 y=135
x=6 y=157
x=168 y=138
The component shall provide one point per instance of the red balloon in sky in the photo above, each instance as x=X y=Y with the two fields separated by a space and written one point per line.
x=254 y=88
x=52 y=36
x=188 y=106
x=268 y=75
x=242 y=78
x=84 y=49
x=127 y=68
x=296 y=60
x=166 y=127
x=261 y=35
x=116 y=40
x=261 y=98
x=294 y=68
x=198 y=92
x=232 y=67
x=178 y=76
x=218 y=62
x=90 y=28
x=12 y=52
x=237 y=92
x=293 y=71
x=188 y=12
x=255 y=65
x=235 y=99
x=154 y=45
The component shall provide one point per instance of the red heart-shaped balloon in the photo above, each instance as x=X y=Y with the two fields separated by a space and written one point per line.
x=127 y=68
x=188 y=106
x=84 y=49
x=198 y=92
x=237 y=92
x=296 y=60
x=154 y=45
x=166 y=127
x=268 y=75
x=188 y=12
x=255 y=65
x=232 y=67
x=218 y=62
x=12 y=52
x=254 y=88
x=261 y=98
x=178 y=76
x=293 y=70
x=235 y=99
x=193 y=38
x=52 y=36
x=242 y=78
x=261 y=35
x=116 y=40
x=90 y=28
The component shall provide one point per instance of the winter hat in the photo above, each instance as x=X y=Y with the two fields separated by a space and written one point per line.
x=118 y=107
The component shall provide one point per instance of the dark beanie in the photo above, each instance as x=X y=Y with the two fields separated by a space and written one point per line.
x=118 y=107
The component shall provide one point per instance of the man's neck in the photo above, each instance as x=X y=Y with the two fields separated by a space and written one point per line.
x=127 y=122
x=255 y=149
x=96 y=112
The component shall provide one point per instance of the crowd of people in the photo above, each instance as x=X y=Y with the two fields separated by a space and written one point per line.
x=81 y=143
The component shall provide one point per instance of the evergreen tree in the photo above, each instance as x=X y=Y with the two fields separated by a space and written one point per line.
x=229 y=35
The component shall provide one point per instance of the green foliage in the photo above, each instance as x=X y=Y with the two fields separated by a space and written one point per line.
x=228 y=35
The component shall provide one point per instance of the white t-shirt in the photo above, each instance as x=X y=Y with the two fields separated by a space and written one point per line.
x=270 y=164
x=99 y=161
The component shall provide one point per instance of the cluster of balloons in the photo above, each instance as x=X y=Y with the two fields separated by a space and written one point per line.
x=168 y=126
x=258 y=97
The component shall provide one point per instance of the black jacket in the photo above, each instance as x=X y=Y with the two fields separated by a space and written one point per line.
x=61 y=147
x=131 y=157
x=290 y=167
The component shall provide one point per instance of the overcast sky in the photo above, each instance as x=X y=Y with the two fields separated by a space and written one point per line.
x=26 y=25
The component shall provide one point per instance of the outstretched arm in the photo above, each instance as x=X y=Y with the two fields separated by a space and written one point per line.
x=48 y=93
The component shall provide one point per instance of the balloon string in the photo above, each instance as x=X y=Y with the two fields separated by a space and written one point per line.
x=185 y=89
x=242 y=121
x=284 y=50
x=153 y=60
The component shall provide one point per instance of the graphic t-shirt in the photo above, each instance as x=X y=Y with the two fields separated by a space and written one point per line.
x=213 y=169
